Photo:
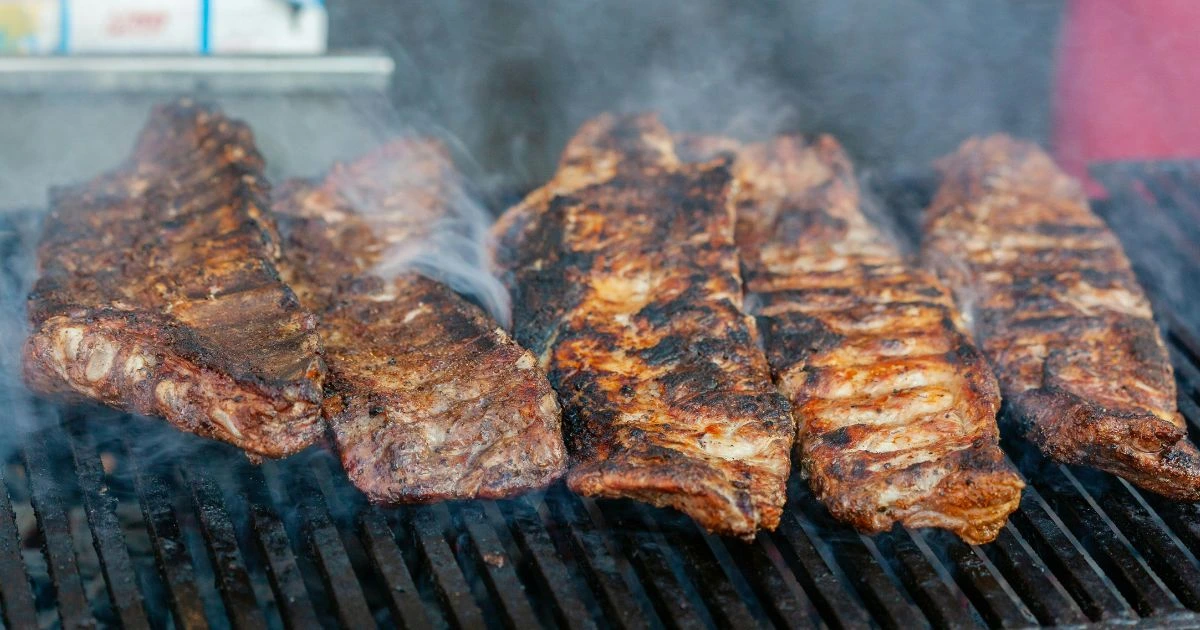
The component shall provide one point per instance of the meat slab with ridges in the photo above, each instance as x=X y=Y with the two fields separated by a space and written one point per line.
x=626 y=285
x=158 y=292
x=428 y=397
x=1058 y=311
x=895 y=407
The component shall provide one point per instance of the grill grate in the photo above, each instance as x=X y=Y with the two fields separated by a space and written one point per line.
x=112 y=520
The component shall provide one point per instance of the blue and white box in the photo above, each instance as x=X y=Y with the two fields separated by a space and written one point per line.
x=296 y=27
x=30 y=27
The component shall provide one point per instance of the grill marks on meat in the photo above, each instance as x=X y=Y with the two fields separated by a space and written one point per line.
x=896 y=408
x=626 y=285
x=158 y=292
x=1059 y=312
x=428 y=398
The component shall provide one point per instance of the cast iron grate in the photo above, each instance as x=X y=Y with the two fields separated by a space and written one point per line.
x=111 y=520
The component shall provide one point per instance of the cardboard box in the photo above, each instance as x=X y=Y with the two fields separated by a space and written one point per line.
x=30 y=27
x=196 y=26
x=134 y=26
x=268 y=27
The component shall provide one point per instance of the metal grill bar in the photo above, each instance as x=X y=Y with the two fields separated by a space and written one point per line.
x=857 y=558
x=645 y=549
x=272 y=541
x=1184 y=520
x=1032 y=581
x=403 y=600
x=877 y=590
x=1083 y=547
x=170 y=551
x=1128 y=570
x=232 y=578
x=536 y=543
x=603 y=573
x=762 y=566
x=498 y=573
x=978 y=579
x=716 y=587
x=918 y=575
x=1158 y=546
x=325 y=545
x=1075 y=570
x=47 y=501
x=16 y=596
x=101 y=508
x=447 y=576
x=828 y=591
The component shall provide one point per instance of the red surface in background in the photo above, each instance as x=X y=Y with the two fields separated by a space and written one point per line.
x=1128 y=83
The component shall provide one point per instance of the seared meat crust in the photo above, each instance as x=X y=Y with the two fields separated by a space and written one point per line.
x=428 y=398
x=896 y=408
x=158 y=292
x=626 y=285
x=1060 y=314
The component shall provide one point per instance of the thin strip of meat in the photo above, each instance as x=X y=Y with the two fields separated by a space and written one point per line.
x=158 y=292
x=895 y=407
x=1059 y=313
x=428 y=398
x=625 y=284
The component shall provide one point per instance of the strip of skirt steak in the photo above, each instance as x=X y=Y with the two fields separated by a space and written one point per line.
x=895 y=407
x=158 y=292
x=427 y=396
x=1058 y=311
x=625 y=283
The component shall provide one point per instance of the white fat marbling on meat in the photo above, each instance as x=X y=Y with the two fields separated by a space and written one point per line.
x=103 y=352
x=226 y=421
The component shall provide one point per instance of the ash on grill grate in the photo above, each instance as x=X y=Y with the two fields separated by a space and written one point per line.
x=113 y=520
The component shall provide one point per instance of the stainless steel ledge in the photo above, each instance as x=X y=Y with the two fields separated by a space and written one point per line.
x=256 y=74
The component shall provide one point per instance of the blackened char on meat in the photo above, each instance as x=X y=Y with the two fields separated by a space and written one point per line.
x=428 y=397
x=158 y=292
x=896 y=408
x=1057 y=309
x=626 y=285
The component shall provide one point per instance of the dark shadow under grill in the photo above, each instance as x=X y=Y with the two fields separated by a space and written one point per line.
x=117 y=520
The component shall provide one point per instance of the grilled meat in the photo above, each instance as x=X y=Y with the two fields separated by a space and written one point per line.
x=158 y=292
x=428 y=398
x=626 y=285
x=1060 y=314
x=896 y=408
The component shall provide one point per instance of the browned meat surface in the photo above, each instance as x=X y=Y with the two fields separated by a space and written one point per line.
x=895 y=407
x=1058 y=311
x=158 y=292
x=625 y=284
x=428 y=397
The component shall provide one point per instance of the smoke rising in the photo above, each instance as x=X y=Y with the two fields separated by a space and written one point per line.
x=18 y=234
x=899 y=83
x=453 y=250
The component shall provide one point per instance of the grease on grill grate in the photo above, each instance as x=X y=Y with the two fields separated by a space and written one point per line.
x=110 y=520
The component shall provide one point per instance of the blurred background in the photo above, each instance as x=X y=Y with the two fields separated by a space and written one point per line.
x=900 y=82
x=507 y=81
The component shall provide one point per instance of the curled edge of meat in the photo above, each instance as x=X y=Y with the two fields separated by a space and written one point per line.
x=703 y=496
x=119 y=359
x=1136 y=445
